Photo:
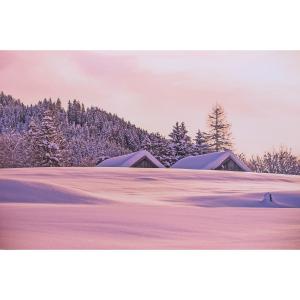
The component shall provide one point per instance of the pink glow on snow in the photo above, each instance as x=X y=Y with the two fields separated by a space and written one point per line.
x=260 y=90
x=130 y=208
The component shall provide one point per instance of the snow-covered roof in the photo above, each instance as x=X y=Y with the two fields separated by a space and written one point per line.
x=210 y=161
x=128 y=160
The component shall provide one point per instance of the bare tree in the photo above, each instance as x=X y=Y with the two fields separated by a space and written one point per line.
x=219 y=133
x=280 y=161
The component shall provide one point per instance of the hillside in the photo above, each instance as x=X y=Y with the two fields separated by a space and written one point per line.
x=89 y=133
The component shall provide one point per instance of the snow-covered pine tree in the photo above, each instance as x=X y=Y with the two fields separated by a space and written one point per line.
x=70 y=113
x=76 y=112
x=201 y=145
x=166 y=153
x=50 y=143
x=31 y=151
x=160 y=148
x=11 y=150
x=149 y=144
x=131 y=140
x=180 y=142
x=219 y=133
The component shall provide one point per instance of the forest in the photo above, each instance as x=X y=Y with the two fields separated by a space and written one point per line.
x=48 y=135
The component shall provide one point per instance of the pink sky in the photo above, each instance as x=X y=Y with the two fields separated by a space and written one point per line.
x=260 y=90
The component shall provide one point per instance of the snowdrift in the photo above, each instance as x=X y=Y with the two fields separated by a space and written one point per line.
x=17 y=191
x=59 y=208
x=148 y=187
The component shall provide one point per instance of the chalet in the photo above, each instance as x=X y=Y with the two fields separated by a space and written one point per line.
x=139 y=159
x=212 y=161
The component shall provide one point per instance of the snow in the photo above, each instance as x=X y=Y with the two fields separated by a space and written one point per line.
x=208 y=161
x=130 y=159
x=132 y=208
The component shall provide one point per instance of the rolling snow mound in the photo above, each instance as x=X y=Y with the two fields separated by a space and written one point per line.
x=16 y=191
x=149 y=187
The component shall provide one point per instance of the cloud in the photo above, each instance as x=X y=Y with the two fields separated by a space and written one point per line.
x=259 y=89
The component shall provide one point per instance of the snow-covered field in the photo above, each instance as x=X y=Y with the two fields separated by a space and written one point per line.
x=129 y=208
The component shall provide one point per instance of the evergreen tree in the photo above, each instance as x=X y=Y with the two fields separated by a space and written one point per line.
x=180 y=142
x=82 y=115
x=219 y=134
x=201 y=143
x=11 y=150
x=70 y=114
x=160 y=148
x=49 y=143
x=31 y=145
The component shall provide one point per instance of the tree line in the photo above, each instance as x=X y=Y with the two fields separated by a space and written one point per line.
x=47 y=135
x=179 y=144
